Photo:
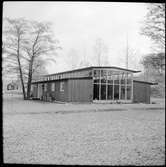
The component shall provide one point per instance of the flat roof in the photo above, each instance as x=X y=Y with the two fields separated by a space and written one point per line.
x=146 y=82
x=92 y=67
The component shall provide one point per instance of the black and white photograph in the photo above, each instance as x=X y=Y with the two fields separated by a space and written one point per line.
x=83 y=83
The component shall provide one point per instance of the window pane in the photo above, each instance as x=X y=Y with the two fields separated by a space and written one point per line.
x=123 y=77
x=102 y=73
x=96 y=80
x=96 y=92
x=128 y=81
x=110 y=81
x=42 y=87
x=122 y=81
x=128 y=78
x=103 y=80
x=122 y=92
x=110 y=92
x=116 y=79
x=128 y=92
x=116 y=92
x=103 y=92
x=96 y=73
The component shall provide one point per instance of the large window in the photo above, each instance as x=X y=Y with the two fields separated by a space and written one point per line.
x=112 y=85
x=96 y=92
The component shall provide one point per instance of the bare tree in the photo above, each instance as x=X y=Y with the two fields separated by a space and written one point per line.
x=40 y=43
x=154 y=70
x=39 y=67
x=24 y=43
x=14 y=31
x=154 y=24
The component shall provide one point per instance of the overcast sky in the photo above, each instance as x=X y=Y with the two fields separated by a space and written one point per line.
x=78 y=24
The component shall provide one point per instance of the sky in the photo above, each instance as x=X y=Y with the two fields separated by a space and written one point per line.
x=77 y=25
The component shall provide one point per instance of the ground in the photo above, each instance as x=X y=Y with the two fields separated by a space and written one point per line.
x=87 y=134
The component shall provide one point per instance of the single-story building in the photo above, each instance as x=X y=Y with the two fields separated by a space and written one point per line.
x=92 y=84
x=12 y=86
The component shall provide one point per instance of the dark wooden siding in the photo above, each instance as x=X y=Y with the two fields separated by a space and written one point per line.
x=57 y=94
x=80 y=90
x=141 y=92
x=54 y=95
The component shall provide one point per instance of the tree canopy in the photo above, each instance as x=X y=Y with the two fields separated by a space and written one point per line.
x=27 y=46
x=155 y=61
x=154 y=24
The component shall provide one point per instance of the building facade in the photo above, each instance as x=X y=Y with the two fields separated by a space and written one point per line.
x=92 y=84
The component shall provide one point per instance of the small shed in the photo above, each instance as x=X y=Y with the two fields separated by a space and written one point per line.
x=141 y=91
x=12 y=86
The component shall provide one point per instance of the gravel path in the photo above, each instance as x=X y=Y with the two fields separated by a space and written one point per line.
x=130 y=137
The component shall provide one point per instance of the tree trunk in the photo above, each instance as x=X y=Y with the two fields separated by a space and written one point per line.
x=22 y=82
x=20 y=70
x=29 y=79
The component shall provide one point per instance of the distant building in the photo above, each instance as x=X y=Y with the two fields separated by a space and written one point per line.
x=92 y=84
x=12 y=86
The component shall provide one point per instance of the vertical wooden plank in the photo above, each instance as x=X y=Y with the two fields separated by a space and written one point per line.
x=76 y=90
x=132 y=87
x=126 y=86
x=72 y=91
x=80 y=91
x=68 y=85
x=100 y=86
x=106 y=84
x=148 y=93
x=69 y=90
x=57 y=90
x=71 y=87
x=84 y=89
x=113 y=88
x=66 y=91
x=92 y=83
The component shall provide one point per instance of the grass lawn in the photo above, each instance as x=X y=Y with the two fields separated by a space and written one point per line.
x=126 y=137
